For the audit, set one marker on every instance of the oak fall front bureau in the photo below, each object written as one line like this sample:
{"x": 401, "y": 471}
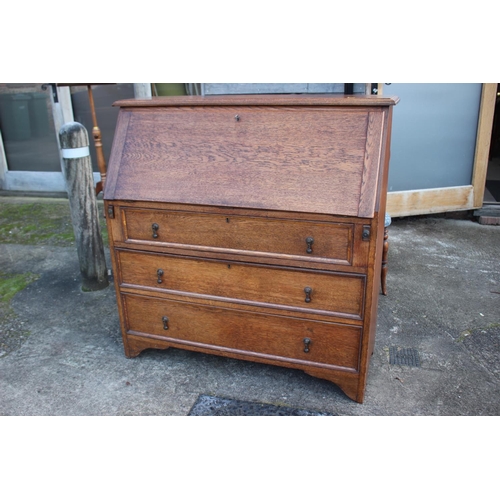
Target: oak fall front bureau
{"x": 252, "y": 227}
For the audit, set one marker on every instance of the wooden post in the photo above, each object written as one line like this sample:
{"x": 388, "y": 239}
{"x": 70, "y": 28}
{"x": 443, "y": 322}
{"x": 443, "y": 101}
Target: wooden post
{"x": 77, "y": 171}
{"x": 142, "y": 90}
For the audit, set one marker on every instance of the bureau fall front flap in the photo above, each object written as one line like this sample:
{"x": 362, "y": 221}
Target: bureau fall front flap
{"x": 321, "y": 156}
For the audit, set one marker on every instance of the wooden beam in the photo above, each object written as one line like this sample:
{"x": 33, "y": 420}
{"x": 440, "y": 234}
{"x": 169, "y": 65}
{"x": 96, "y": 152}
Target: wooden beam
{"x": 428, "y": 201}
{"x": 484, "y": 128}
{"x": 438, "y": 200}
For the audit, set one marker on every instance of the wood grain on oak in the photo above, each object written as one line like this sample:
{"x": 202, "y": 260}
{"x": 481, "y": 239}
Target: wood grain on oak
{"x": 331, "y": 241}
{"x": 336, "y": 293}
{"x": 252, "y": 227}
{"x": 278, "y": 158}
{"x": 269, "y": 335}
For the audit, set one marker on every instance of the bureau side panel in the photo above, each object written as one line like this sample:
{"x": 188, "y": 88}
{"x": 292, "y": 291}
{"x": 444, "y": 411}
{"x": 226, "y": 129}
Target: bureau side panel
{"x": 375, "y": 259}
{"x": 115, "y": 234}
{"x": 113, "y": 168}
{"x": 370, "y": 185}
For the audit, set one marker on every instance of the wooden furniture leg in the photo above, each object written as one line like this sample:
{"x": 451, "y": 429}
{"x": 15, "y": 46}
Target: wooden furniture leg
{"x": 384, "y": 261}
{"x": 385, "y": 251}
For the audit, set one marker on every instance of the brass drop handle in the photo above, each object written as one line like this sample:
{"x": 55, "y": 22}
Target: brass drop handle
{"x": 308, "y": 290}
{"x": 165, "y": 322}
{"x": 159, "y": 273}
{"x": 155, "y": 228}
{"x": 307, "y": 343}
{"x": 309, "y": 242}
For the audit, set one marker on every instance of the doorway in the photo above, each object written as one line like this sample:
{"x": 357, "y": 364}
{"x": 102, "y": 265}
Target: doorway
{"x": 492, "y": 188}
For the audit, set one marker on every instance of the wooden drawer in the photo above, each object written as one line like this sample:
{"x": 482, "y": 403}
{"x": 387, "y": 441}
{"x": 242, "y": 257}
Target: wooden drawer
{"x": 233, "y": 331}
{"x": 338, "y": 293}
{"x": 311, "y": 240}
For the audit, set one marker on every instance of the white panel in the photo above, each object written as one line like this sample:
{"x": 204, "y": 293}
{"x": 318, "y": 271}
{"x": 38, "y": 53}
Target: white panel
{"x": 38, "y": 181}
{"x": 75, "y": 152}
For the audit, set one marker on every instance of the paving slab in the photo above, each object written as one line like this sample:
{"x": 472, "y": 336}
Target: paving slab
{"x": 442, "y": 308}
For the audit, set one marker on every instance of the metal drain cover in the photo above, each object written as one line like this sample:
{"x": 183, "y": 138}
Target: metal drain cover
{"x": 403, "y": 356}
{"x": 218, "y": 407}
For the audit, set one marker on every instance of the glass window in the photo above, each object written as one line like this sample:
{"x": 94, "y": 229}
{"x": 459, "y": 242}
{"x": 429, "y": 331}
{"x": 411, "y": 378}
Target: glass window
{"x": 27, "y": 127}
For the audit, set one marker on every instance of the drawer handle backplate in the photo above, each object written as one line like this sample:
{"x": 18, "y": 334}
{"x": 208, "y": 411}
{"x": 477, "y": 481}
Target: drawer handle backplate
{"x": 309, "y": 242}
{"x": 308, "y": 290}
{"x": 155, "y": 228}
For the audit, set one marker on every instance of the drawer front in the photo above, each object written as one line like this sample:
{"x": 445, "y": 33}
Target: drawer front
{"x": 259, "y": 235}
{"x": 319, "y": 291}
{"x": 236, "y": 331}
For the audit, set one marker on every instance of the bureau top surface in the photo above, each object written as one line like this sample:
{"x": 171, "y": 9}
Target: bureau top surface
{"x": 315, "y": 153}
{"x": 261, "y": 100}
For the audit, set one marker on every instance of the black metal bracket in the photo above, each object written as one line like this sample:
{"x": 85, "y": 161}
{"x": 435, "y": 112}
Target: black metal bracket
{"x": 54, "y": 90}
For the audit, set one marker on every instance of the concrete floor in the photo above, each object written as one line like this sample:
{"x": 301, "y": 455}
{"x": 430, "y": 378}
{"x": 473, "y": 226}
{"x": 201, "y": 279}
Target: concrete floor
{"x": 443, "y": 301}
